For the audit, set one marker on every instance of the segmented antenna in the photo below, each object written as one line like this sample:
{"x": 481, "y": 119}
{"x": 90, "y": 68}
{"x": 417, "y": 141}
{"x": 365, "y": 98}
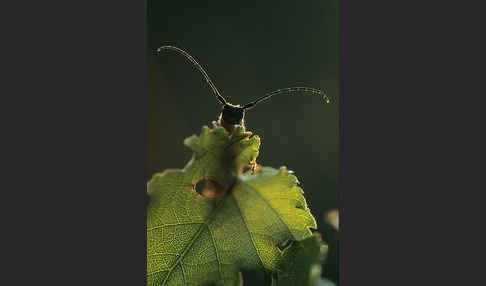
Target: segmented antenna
{"x": 287, "y": 90}
{"x": 198, "y": 66}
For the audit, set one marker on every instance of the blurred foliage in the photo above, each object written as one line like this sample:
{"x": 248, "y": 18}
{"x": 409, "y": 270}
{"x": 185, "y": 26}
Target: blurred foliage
{"x": 332, "y": 218}
{"x": 250, "y": 48}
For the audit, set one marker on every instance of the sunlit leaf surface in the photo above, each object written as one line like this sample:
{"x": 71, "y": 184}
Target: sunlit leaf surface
{"x": 202, "y": 240}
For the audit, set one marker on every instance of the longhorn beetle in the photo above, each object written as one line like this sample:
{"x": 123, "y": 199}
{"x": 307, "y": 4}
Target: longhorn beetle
{"x": 235, "y": 114}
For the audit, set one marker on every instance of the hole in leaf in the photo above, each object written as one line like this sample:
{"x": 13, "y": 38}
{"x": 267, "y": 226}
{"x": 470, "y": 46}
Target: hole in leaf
{"x": 200, "y": 186}
{"x": 209, "y": 188}
{"x": 246, "y": 170}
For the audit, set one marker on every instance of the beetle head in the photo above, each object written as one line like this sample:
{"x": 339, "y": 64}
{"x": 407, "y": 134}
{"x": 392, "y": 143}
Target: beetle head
{"x": 233, "y": 114}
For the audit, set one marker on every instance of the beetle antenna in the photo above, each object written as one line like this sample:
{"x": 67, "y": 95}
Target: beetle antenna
{"x": 287, "y": 90}
{"x": 198, "y": 66}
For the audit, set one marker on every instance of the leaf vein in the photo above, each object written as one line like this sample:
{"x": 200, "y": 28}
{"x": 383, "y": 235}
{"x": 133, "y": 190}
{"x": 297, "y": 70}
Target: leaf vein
{"x": 193, "y": 239}
{"x": 175, "y": 224}
{"x": 216, "y": 250}
{"x": 248, "y": 229}
{"x": 271, "y": 207}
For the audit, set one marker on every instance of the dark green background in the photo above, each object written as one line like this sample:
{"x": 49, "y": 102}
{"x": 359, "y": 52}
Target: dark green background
{"x": 248, "y": 49}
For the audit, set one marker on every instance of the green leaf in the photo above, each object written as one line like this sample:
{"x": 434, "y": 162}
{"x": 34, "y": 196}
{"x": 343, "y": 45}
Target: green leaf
{"x": 301, "y": 263}
{"x": 199, "y": 240}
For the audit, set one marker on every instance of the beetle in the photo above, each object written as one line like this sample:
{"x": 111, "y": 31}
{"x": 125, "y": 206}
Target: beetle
{"x": 231, "y": 114}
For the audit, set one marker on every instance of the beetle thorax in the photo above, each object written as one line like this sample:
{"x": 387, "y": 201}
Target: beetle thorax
{"x": 232, "y": 114}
